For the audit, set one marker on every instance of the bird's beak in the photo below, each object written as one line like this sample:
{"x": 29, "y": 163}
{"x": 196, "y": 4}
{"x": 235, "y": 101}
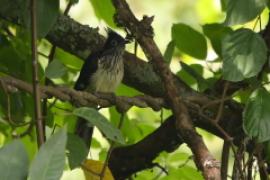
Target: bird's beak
{"x": 127, "y": 41}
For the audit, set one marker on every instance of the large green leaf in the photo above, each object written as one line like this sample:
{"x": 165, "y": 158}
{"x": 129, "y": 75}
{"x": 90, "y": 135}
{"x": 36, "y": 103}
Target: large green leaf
{"x": 189, "y": 41}
{"x": 256, "y": 115}
{"x": 98, "y": 120}
{"x": 47, "y": 13}
{"x": 244, "y": 53}
{"x": 50, "y": 160}
{"x": 216, "y": 33}
{"x": 77, "y": 151}
{"x": 242, "y": 11}
{"x": 104, "y": 10}
{"x": 13, "y": 161}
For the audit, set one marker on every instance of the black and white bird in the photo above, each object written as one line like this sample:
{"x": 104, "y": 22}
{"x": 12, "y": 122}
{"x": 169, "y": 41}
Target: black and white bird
{"x": 102, "y": 71}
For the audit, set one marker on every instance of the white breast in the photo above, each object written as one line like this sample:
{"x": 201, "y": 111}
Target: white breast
{"x": 104, "y": 80}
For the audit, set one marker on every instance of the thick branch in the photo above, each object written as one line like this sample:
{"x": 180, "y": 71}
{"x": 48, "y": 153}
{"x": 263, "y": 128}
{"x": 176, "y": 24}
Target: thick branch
{"x": 142, "y": 32}
{"x": 166, "y": 138}
{"x": 128, "y": 160}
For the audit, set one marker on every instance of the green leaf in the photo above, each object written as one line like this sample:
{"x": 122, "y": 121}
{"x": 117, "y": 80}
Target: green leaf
{"x": 70, "y": 61}
{"x": 16, "y": 10}
{"x": 244, "y": 53}
{"x": 202, "y": 83}
{"x": 216, "y": 32}
{"x": 47, "y": 13}
{"x": 11, "y": 63}
{"x": 14, "y": 161}
{"x": 97, "y": 119}
{"x": 183, "y": 173}
{"x": 224, "y": 4}
{"x": 19, "y": 10}
{"x": 104, "y": 10}
{"x": 256, "y": 115}
{"x": 187, "y": 78}
{"x": 189, "y": 41}
{"x": 50, "y": 160}
{"x": 77, "y": 151}
{"x": 242, "y": 11}
{"x": 55, "y": 69}
{"x": 169, "y": 52}
{"x": 129, "y": 128}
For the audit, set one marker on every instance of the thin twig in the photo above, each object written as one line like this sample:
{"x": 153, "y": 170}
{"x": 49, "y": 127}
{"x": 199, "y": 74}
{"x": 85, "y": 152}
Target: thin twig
{"x": 9, "y": 33}
{"x": 26, "y": 132}
{"x": 214, "y": 102}
{"x": 38, "y": 114}
{"x": 256, "y": 22}
{"x": 42, "y": 54}
{"x": 185, "y": 163}
{"x": 163, "y": 169}
{"x": 161, "y": 116}
{"x": 249, "y": 166}
{"x": 70, "y": 3}
{"x": 220, "y": 108}
{"x": 227, "y": 138}
{"x": 135, "y": 48}
{"x": 102, "y": 173}
{"x": 8, "y": 105}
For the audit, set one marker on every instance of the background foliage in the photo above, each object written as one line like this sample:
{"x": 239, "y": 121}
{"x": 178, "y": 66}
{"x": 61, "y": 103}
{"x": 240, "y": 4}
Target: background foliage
{"x": 202, "y": 41}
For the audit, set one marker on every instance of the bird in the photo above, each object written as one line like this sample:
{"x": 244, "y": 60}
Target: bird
{"x": 102, "y": 72}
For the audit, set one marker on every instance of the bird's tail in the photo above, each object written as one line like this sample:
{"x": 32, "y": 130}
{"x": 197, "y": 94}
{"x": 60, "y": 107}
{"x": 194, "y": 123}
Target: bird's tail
{"x": 85, "y": 131}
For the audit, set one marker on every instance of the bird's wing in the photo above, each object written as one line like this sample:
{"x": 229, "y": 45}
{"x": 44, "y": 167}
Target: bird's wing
{"x": 89, "y": 67}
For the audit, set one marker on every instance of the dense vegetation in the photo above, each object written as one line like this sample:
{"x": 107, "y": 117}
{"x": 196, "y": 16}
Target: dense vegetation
{"x": 194, "y": 72}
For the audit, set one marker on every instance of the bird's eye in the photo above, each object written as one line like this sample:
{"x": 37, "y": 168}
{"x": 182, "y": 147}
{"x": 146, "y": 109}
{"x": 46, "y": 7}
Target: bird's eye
{"x": 113, "y": 42}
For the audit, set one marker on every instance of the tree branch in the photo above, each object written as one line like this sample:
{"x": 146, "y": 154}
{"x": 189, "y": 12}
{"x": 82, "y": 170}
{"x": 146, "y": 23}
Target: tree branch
{"x": 38, "y": 115}
{"x": 80, "y": 40}
{"x": 122, "y": 103}
{"x": 143, "y": 32}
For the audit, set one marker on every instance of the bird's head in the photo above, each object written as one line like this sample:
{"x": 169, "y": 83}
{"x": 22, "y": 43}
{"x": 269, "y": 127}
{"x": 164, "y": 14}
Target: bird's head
{"x": 114, "y": 40}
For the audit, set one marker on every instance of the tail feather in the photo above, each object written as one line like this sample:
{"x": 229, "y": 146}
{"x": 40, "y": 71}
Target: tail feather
{"x": 84, "y": 131}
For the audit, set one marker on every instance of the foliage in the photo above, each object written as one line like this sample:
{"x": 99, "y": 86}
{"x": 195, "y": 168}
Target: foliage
{"x": 200, "y": 52}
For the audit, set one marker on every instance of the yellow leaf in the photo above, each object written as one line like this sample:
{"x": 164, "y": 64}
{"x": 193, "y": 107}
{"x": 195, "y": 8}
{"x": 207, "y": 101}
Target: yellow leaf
{"x": 92, "y": 170}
